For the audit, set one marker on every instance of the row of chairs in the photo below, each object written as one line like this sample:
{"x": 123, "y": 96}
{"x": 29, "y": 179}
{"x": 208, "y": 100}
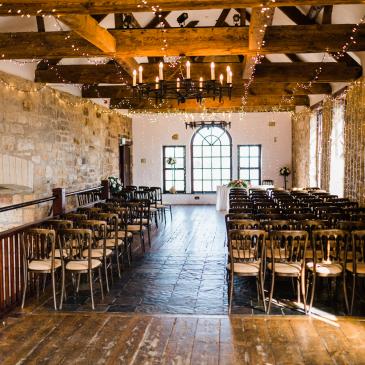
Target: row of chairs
{"x": 300, "y": 249}
{"x": 90, "y": 241}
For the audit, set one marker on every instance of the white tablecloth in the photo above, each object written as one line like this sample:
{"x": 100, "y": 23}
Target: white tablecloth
{"x": 222, "y": 197}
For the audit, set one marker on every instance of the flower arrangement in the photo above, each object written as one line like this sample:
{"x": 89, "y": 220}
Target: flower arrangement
{"x": 237, "y": 184}
{"x": 284, "y": 171}
{"x": 115, "y": 185}
{"x": 171, "y": 161}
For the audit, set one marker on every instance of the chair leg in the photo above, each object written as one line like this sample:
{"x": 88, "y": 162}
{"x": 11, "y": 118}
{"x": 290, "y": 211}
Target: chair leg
{"x": 106, "y": 274}
{"x": 353, "y": 293}
{"x": 262, "y": 291}
{"x": 54, "y": 290}
{"x": 63, "y": 292}
{"x": 271, "y": 292}
{"x": 156, "y": 220}
{"x": 312, "y": 292}
{"x": 78, "y": 283}
{"x": 171, "y": 212}
{"x": 298, "y": 290}
{"x": 118, "y": 261}
{"x": 25, "y": 286}
{"x": 304, "y": 295}
{"x": 101, "y": 284}
{"x": 231, "y": 277}
{"x": 149, "y": 235}
{"x": 345, "y": 292}
{"x": 91, "y": 288}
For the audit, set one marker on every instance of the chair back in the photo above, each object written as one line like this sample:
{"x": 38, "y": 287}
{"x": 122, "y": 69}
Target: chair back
{"x": 89, "y": 211}
{"x": 246, "y": 244}
{"x": 277, "y": 224}
{"x": 332, "y": 243}
{"x": 351, "y": 225}
{"x": 58, "y": 224}
{"x": 74, "y": 241}
{"x": 358, "y": 248}
{"x": 98, "y": 229}
{"x": 242, "y": 224}
{"x": 39, "y": 244}
{"x": 288, "y": 246}
{"x": 75, "y": 217}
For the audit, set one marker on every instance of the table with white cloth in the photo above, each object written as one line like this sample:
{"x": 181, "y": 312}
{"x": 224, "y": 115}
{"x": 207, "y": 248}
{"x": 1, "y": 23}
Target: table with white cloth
{"x": 222, "y": 202}
{"x": 222, "y": 197}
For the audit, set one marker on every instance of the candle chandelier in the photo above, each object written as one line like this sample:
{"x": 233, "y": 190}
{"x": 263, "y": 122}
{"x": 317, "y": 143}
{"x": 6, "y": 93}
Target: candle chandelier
{"x": 182, "y": 89}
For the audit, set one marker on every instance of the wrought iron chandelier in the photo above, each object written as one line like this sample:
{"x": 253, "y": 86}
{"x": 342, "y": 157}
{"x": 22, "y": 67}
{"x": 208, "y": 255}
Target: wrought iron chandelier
{"x": 221, "y": 123}
{"x": 182, "y": 89}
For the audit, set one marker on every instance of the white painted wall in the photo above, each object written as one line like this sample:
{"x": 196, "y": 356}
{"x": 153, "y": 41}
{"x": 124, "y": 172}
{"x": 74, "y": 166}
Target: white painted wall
{"x": 152, "y": 131}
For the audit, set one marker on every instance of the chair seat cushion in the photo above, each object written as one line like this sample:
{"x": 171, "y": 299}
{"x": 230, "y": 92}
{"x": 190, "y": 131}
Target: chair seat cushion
{"x": 161, "y": 206}
{"x": 134, "y": 227}
{"x": 110, "y": 242}
{"x": 325, "y": 269}
{"x": 57, "y": 253}
{"x": 153, "y": 210}
{"x": 43, "y": 265}
{"x": 360, "y": 267}
{"x": 245, "y": 268}
{"x": 293, "y": 268}
{"x": 144, "y": 221}
{"x": 97, "y": 253}
{"x": 82, "y": 265}
{"x": 121, "y": 234}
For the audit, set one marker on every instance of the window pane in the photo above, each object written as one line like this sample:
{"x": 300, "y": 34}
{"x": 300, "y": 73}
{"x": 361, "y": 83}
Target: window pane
{"x": 197, "y": 151}
{"x": 207, "y": 185}
{"x": 216, "y": 162}
{"x": 254, "y": 174}
{"x": 179, "y": 175}
{"x": 216, "y": 183}
{"x": 207, "y": 174}
{"x": 226, "y": 174}
{"x": 179, "y": 163}
{"x": 168, "y": 175}
{"x": 255, "y": 182}
{"x": 216, "y": 174}
{"x": 207, "y": 163}
{"x": 226, "y": 151}
{"x": 179, "y": 152}
{"x": 198, "y": 185}
{"x": 197, "y": 174}
{"x": 244, "y": 151}
{"x": 197, "y": 163}
{"x": 244, "y": 174}
{"x": 169, "y": 151}
{"x": 216, "y": 151}
{"x": 226, "y": 162}
{"x": 254, "y": 162}
{"x": 180, "y": 185}
{"x": 244, "y": 162}
{"x": 207, "y": 151}
{"x": 255, "y": 151}
{"x": 169, "y": 184}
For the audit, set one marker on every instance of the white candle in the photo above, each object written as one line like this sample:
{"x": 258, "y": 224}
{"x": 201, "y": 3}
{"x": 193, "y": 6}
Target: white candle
{"x": 212, "y": 71}
{"x": 188, "y": 70}
{"x": 201, "y": 83}
{"x": 230, "y": 77}
{"x": 228, "y": 72}
{"x": 140, "y": 70}
{"x": 157, "y": 83}
{"x": 221, "y": 79}
{"x": 160, "y": 70}
{"x": 134, "y": 77}
{"x": 178, "y": 84}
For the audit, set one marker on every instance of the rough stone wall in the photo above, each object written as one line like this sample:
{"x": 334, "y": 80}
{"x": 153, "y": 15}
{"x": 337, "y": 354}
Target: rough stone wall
{"x": 355, "y": 142}
{"x": 70, "y": 142}
{"x": 300, "y": 148}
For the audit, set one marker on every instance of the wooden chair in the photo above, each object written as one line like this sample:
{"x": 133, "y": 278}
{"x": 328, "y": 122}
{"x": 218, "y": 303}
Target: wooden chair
{"x": 39, "y": 246}
{"x": 246, "y": 252}
{"x": 134, "y": 220}
{"x": 78, "y": 245}
{"x": 332, "y": 242}
{"x": 288, "y": 250}
{"x": 355, "y": 267}
{"x": 159, "y": 204}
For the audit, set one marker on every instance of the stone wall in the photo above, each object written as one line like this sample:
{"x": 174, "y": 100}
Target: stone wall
{"x": 300, "y": 148}
{"x": 64, "y": 140}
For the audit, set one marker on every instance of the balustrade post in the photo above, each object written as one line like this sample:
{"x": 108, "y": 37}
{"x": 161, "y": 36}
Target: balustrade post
{"x": 105, "y": 191}
{"x": 59, "y": 204}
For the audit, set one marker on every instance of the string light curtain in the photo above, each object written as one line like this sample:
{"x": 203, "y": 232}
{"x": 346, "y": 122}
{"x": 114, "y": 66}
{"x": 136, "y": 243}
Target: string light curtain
{"x": 355, "y": 142}
{"x": 313, "y": 182}
{"x": 337, "y": 164}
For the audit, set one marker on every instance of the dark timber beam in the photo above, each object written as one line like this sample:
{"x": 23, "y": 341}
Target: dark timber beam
{"x": 268, "y": 72}
{"x": 11, "y": 7}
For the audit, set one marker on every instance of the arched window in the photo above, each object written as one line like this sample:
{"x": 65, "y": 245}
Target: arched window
{"x": 211, "y": 159}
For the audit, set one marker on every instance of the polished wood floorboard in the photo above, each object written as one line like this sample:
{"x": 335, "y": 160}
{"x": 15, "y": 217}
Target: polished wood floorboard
{"x": 98, "y": 338}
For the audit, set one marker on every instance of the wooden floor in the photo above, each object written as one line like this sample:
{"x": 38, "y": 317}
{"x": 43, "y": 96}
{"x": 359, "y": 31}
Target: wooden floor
{"x": 169, "y": 309}
{"x": 134, "y": 339}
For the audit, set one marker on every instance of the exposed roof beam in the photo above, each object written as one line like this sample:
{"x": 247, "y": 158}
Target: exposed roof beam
{"x": 127, "y": 6}
{"x": 252, "y": 101}
{"x": 88, "y": 28}
{"x": 277, "y": 89}
{"x": 268, "y": 72}
{"x": 327, "y": 14}
{"x": 258, "y": 24}
{"x": 208, "y": 41}
{"x": 298, "y": 17}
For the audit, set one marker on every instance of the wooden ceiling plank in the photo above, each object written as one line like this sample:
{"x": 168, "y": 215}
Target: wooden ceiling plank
{"x": 88, "y": 28}
{"x": 10, "y": 7}
{"x": 270, "y": 72}
{"x": 208, "y": 41}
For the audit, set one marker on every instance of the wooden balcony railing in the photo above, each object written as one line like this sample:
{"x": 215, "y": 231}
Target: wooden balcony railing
{"x": 11, "y": 253}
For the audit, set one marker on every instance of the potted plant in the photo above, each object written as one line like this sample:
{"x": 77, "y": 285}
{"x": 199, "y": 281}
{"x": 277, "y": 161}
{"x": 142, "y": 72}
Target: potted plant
{"x": 285, "y": 172}
{"x": 115, "y": 185}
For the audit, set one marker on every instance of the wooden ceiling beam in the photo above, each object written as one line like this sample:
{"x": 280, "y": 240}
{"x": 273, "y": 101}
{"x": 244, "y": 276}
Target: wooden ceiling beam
{"x": 87, "y": 27}
{"x": 208, "y": 41}
{"x": 252, "y": 101}
{"x": 258, "y": 24}
{"x": 268, "y": 72}
{"x": 256, "y": 89}
{"x": 37, "y": 7}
